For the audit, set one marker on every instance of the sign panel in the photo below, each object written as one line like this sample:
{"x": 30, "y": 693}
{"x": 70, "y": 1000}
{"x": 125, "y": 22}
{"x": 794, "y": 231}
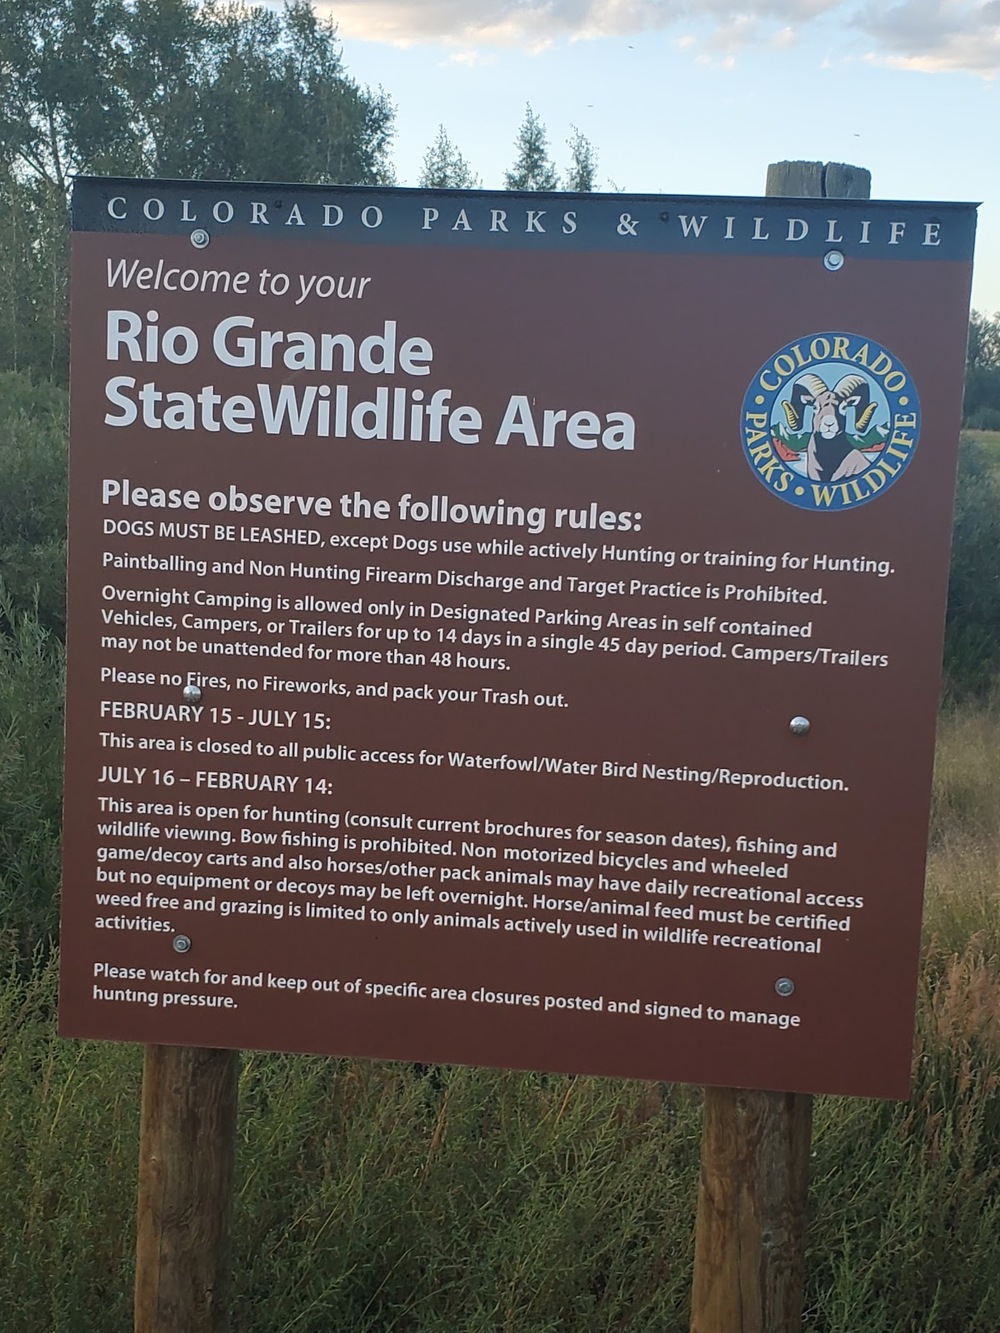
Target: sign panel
{"x": 505, "y": 629}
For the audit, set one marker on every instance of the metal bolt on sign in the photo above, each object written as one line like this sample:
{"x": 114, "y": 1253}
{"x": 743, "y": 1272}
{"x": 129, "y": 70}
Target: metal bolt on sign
{"x": 191, "y": 694}
{"x": 200, "y": 238}
{"x": 833, "y": 260}
{"x": 799, "y": 726}
{"x": 785, "y": 986}
{"x": 182, "y": 943}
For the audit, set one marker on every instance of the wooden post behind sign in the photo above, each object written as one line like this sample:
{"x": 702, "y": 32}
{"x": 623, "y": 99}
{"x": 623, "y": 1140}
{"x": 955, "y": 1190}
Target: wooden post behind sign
{"x": 186, "y": 1158}
{"x": 750, "y": 1243}
{"x": 749, "y": 1260}
{"x": 818, "y": 180}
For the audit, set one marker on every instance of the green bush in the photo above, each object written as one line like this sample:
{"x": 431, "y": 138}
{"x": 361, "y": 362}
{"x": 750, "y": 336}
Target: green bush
{"x": 31, "y": 736}
{"x": 983, "y": 418}
{"x": 34, "y": 259}
{"x": 982, "y": 373}
{"x": 33, "y": 432}
{"x": 972, "y": 630}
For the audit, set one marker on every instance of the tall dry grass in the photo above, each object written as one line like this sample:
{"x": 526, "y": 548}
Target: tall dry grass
{"x": 375, "y": 1198}
{"x": 963, "y": 868}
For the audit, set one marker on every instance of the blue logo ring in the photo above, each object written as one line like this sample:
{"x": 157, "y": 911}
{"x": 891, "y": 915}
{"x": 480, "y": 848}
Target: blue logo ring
{"x": 830, "y": 422}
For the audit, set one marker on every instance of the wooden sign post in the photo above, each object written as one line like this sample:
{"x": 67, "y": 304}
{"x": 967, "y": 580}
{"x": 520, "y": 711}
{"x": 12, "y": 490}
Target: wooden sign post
{"x": 186, "y": 1158}
{"x": 749, "y": 1266}
{"x": 750, "y": 1243}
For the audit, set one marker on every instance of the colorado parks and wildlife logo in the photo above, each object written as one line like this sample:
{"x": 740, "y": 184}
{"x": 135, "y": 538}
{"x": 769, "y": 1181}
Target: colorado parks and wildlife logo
{"x": 830, "y": 421}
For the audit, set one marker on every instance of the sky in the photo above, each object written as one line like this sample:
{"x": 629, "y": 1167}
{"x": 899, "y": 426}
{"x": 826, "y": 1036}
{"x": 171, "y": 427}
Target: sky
{"x": 698, "y": 96}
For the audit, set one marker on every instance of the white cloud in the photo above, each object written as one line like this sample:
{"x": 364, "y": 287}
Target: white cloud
{"x": 728, "y": 37}
{"x": 929, "y": 35}
{"x": 537, "y": 22}
{"x": 471, "y": 59}
{"x": 935, "y": 35}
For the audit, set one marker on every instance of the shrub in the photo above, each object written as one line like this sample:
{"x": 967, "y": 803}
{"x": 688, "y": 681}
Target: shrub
{"x": 33, "y": 433}
{"x": 972, "y": 630}
{"x": 31, "y": 736}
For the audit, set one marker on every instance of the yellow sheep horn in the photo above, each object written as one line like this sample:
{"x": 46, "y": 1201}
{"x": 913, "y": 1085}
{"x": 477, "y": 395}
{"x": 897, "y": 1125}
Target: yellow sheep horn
{"x": 861, "y": 422}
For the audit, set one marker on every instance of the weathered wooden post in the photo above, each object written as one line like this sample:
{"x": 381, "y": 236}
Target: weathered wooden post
{"x": 818, "y": 180}
{"x": 749, "y": 1265}
{"x": 749, "y": 1250}
{"x": 186, "y": 1159}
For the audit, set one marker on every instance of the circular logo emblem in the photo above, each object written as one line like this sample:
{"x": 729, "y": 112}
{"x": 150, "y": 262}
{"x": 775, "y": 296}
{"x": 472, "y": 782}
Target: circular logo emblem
{"x": 830, "y": 421}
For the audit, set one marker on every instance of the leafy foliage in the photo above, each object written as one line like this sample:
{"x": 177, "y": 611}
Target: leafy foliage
{"x": 168, "y": 88}
{"x": 34, "y": 274}
{"x": 176, "y": 88}
{"x": 445, "y": 168}
{"x": 982, "y": 380}
{"x": 533, "y": 169}
{"x": 31, "y": 736}
{"x": 33, "y": 516}
{"x": 582, "y": 174}
{"x": 972, "y": 631}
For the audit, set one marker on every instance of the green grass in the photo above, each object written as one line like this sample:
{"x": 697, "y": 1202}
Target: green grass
{"x": 373, "y": 1197}
{"x": 31, "y": 734}
{"x": 990, "y": 441}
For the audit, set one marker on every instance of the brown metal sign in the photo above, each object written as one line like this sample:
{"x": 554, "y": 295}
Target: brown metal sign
{"x": 505, "y": 629}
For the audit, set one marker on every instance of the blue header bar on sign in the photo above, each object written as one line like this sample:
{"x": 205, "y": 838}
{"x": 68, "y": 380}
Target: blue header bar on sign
{"x": 477, "y": 219}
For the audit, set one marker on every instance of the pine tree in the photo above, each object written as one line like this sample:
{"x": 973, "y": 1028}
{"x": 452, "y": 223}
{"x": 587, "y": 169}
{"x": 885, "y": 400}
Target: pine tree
{"x": 445, "y": 168}
{"x": 582, "y": 173}
{"x": 533, "y": 169}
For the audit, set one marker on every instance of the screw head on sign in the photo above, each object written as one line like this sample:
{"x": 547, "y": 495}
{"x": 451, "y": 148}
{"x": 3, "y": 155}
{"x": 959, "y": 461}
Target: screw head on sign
{"x": 182, "y": 944}
{"x": 200, "y": 238}
{"x": 191, "y": 694}
{"x": 784, "y": 986}
{"x": 833, "y": 260}
{"x": 799, "y": 726}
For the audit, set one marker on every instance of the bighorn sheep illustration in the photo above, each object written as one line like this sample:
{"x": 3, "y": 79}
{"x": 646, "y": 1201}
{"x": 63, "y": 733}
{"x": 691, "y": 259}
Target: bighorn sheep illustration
{"x": 830, "y": 454}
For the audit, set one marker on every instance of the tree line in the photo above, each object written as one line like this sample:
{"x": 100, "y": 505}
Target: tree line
{"x": 187, "y": 90}
{"x": 982, "y": 376}
{"x": 220, "y": 90}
